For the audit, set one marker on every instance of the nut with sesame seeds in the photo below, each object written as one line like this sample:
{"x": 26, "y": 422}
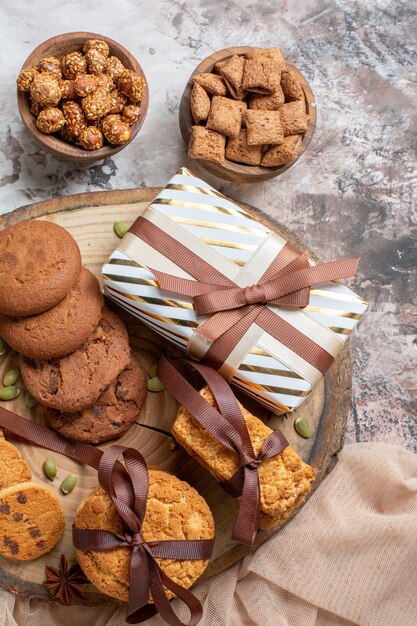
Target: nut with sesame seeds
{"x": 97, "y": 44}
{"x": 73, "y": 64}
{"x": 95, "y": 61}
{"x": 75, "y": 118}
{"x": 105, "y": 82}
{"x": 50, "y": 120}
{"x": 67, "y": 89}
{"x": 118, "y": 102}
{"x": 114, "y": 67}
{"x": 85, "y": 84}
{"x": 51, "y": 65}
{"x": 91, "y": 138}
{"x": 96, "y": 104}
{"x": 131, "y": 85}
{"x": 115, "y": 130}
{"x": 45, "y": 90}
{"x": 26, "y": 77}
{"x": 131, "y": 113}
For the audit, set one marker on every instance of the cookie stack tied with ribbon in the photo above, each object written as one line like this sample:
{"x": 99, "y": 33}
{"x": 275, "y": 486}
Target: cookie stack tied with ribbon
{"x": 143, "y": 536}
{"x": 75, "y": 357}
{"x": 248, "y": 459}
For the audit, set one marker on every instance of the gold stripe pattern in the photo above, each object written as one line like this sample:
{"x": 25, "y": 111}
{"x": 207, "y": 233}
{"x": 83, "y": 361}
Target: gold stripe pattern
{"x": 218, "y": 226}
{"x": 201, "y": 207}
{"x": 325, "y": 311}
{"x": 272, "y": 389}
{"x": 244, "y": 367}
{"x": 345, "y": 297}
{"x": 130, "y": 280}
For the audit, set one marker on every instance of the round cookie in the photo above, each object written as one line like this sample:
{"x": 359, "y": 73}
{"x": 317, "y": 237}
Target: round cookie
{"x": 74, "y": 382}
{"x": 114, "y": 412}
{"x": 175, "y": 510}
{"x": 39, "y": 263}
{"x": 32, "y": 521}
{"x": 13, "y": 467}
{"x": 60, "y": 330}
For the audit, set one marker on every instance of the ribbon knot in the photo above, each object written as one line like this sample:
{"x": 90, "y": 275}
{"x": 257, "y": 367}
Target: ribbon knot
{"x": 255, "y": 294}
{"x": 134, "y": 540}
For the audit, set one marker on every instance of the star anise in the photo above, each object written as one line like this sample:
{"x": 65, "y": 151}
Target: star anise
{"x": 64, "y": 583}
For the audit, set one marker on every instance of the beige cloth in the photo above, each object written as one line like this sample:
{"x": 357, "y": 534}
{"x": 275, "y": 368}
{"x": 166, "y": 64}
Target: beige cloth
{"x": 348, "y": 557}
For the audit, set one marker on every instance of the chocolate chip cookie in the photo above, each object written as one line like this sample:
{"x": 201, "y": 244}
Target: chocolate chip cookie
{"x": 62, "y": 329}
{"x": 39, "y": 264}
{"x": 32, "y": 521}
{"x": 75, "y": 382}
{"x": 112, "y": 415}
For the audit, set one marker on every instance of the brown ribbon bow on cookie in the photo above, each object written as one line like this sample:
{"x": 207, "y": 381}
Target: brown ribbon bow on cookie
{"x": 128, "y": 488}
{"x": 234, "y": 309}
{"x": 228, "y": 426}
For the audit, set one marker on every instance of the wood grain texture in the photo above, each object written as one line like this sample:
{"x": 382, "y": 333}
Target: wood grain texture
{"x": 59, "y": 46}
{"x": 90, "y": 217}
{"x": 229, "y": 170}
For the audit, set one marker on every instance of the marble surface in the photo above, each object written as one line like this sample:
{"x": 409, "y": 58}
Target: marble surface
{"x": 352, "y": 193}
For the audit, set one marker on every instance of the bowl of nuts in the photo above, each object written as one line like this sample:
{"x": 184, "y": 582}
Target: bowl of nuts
{"x": 82, "y": 96}
{"x": 247, "y": 114}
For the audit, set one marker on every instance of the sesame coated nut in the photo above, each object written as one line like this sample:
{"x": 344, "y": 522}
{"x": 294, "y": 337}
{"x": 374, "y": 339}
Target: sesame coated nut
{"x": 45, "y": 90}
{"x": 85, "y": 84}
{"x": 131, "y": 113}
{"x": 114, "y": 68}
{"x": 115, "y": 130}
{"x": 105, "y": 82}
{"x": 96, "y": 104}
{"x": 118, "y": 102}
{"x": 97, "y": 44}
{"x": 75, "y": 118}
{"x": 34, "y": 107}
{"x": 26, "y": 78}
{"x": 131, "y": 85}
{"x": 73, "y": 64}
{"x": 50, "y": 65}
{"x": 50, "y": 120}
{"x": 67, "y": 88}
{"x": 91, "y": 138}
{"x": 95, "y": 61}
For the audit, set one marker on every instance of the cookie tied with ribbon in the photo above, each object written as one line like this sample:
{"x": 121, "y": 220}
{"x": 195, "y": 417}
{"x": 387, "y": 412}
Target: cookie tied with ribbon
{"x": 248, "y": 459}
{"x": 124, "y": 490}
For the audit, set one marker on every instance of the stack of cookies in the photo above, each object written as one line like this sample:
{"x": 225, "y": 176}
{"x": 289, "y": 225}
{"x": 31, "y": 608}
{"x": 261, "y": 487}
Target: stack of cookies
{"x": 284, "y": 480}
{"x": 250, "y": 110}
{"x": 75, "y": 357}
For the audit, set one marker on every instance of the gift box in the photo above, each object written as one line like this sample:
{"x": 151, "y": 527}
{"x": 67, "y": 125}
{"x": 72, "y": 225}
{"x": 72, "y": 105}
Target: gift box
{"x": 209, "y": 276}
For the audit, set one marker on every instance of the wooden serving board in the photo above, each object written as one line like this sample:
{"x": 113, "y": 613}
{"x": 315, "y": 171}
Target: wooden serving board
{"x": 90, "y": 217}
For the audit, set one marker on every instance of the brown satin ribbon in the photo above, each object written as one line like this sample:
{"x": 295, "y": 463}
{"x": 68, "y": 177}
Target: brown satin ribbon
{"x": 228, "y": 426}
{"x": 128, "y": 488}
{"x": 234, "y": 309}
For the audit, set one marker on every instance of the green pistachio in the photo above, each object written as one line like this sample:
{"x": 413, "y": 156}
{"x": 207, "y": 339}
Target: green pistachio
{"x": 120, "y": 228}
{"x": 11, "y": 377}
{"x": 68, "y": 484}
{"x": 30, "y": 401}
{"x": 152, "y": 370}
{"x": 154, "y": 384}
{"x": 303, "y": 428}
{"x": 49, "y": 469}
{"x": 9, "y": 393}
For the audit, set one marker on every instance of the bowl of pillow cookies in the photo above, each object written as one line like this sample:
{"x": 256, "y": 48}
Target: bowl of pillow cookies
{"x": 247, "y": 114}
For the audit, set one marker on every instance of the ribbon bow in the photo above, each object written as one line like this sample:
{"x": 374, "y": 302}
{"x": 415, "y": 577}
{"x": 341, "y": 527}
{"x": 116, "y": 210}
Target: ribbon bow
{"x": 228, "y": 426}
{"x": 234, "y": 309}
{"x": 128, "y": 489}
